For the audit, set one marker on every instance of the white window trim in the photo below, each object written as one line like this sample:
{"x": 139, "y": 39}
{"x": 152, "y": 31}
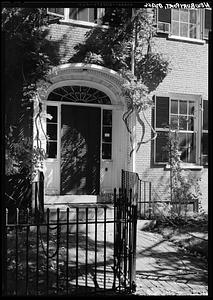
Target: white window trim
{"x": 171, "y": 36}
{"x": 198, "y": 102}
{"x": 181, "y": 38}
{"x": 66, "y": 20}
{"x": 185, "y": 166}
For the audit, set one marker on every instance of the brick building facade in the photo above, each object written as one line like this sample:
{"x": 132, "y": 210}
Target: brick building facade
{"x": 185, "y": 85}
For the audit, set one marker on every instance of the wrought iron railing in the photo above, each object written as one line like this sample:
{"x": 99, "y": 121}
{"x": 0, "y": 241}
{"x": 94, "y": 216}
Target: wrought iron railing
{"x": 81, "y": 250}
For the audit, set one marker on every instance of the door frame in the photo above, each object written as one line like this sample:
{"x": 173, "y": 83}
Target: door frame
{"x": 57, "y": 160}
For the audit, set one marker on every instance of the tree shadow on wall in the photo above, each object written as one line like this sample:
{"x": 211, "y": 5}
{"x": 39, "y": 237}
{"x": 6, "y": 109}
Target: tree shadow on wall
{"x": 79, "y": 165}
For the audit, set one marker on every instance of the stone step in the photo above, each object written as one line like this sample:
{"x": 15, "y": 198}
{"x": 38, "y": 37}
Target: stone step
{"x": 65, "y": 199}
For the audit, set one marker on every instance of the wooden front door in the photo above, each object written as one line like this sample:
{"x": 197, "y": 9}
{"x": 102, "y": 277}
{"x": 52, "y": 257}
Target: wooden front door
{"x": 80, "y": 150}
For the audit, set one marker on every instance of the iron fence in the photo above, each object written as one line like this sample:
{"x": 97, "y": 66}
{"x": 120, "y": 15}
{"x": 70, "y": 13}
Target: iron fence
{"x": 147, "y": 206}
{"x": 72, "y": 251}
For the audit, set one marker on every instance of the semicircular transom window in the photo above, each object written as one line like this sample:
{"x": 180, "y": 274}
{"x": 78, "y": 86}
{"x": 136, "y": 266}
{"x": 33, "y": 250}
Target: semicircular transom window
{"x": 82, "y": 94}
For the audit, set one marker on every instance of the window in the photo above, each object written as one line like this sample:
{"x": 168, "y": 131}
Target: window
{"x": 52, "y": 130}
{"x": 180, "y": 113}
{"x": 107, "y": 134}
{"x": 182, "y": 118}
{"x": 84, "y": 14}
{"x": 185, "y": 23}
{"x": 81, "y": 94}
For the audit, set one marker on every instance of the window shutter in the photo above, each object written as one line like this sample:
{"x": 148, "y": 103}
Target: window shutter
{"x": 162, "y": 112}
{"x": 164, "y": 20}
{"x": 164, "y": 15}
{"x": 161, "y": 152}
{"x": 161, "y": 122}
{"x": 204, "y": 139}
{"x": 207, "y": 22}
{"x": 205, "y": 114}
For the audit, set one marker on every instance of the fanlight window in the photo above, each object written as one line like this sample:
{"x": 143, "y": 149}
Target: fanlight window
{"x": 81, "y": 94}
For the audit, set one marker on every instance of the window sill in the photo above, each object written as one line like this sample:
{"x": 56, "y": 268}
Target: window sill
{"x": 185, "y": 39}
{"x": 186, "y": 166}
{"x": 82, "y": 23}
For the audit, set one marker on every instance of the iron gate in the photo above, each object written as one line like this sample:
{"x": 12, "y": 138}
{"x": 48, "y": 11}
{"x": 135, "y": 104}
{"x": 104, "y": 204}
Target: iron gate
{"x": 82, "y": 249}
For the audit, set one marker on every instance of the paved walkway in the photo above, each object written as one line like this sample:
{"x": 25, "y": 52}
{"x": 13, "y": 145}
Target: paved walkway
{"x": 163, "y": 269}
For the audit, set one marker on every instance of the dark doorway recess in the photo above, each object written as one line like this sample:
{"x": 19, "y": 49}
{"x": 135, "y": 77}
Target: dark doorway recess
{"x": 80, "y": 150}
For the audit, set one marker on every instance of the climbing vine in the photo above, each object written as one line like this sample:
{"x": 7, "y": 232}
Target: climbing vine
{"x": 126, "y": 47}
{"x": 184, "y": 188}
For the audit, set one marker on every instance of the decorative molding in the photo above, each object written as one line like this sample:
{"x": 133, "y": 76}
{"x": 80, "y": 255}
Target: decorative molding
{"x": 108, "y": 81}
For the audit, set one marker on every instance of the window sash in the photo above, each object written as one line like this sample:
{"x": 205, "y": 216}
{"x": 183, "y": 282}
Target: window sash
{"x": 193, "y": 149}
{"x": 200, "y": 29}
{"x": 87, "y": 14}
{"x": 184, "y": 27}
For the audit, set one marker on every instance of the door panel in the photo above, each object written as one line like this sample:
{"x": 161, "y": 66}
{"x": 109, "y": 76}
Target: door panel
{"x": 80, "y": 150}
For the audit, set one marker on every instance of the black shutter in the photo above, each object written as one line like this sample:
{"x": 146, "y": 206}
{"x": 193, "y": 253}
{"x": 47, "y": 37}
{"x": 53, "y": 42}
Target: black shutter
{"x": 161, "y": 154}
{"x": 164, "y": 15}
{"x": 204, "y": 139}
{"x": 207, "y": 22}
{"x": 162, "y": 121}
{"x": 205, "y": 114}
{"x": 162, "y": 112}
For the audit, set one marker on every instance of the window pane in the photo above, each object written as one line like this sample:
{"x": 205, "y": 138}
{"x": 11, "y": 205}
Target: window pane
{"x": 183, "y": 29}
{"x": 52, "y": 131}
{"x": 205, "y": 143}
{"x": 183, "y": 123}
{"x": 52, "y": 149}
{"x": 191, "y": 108}
{"x": 92, "y": 15}
{"x": 175, "y": 14}
{"x": 183, "y": 107}
{"x": 182, "y": 140}
{"x": 73, "y": 13}
{"x": 107, "y": 117}
{"x": 191, "y": 123}
{"x": 107, "y": 134}
{"x": 174, "y": 106}
{"x": 192, "y": 147}
{"x": 192, "y": 16}
{"x": 184, "y": 15}
{"x": 106, "y": 151}
{"x": 174, "y": 122}
{"x": 192, "y": 31}
{"x": 175, "y": 28}
{"x": 187, "y": 147}
{"x": 52, "y": 110}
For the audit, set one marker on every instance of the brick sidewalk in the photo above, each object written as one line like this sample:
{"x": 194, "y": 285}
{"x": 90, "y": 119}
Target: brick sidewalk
{"x": 163, "y": 269}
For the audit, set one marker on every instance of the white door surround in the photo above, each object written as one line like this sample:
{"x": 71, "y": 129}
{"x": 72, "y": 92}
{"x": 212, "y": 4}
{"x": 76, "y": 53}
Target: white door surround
{"x": 109, "y": 82}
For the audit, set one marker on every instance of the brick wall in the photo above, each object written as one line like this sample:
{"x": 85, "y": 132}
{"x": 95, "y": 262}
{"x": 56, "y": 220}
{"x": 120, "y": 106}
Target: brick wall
{"x": 189, "y": 74}
{"x": 68, "y": 36}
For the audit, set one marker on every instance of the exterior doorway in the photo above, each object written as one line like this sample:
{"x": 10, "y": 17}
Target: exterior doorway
{"x": 80, "y": 150}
